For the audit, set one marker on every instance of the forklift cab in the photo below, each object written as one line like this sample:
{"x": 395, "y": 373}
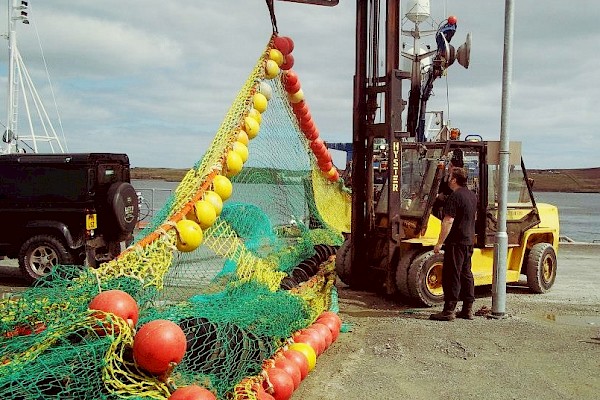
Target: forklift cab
{"x": 424, "y": 165}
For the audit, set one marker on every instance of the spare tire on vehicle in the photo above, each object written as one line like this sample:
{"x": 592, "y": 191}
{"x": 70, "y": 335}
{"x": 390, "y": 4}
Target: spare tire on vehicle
{"x": 123, "y": 201}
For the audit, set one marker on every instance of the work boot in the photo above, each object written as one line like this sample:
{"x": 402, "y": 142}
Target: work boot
{"x": 466, "y": 312}
{"x": 447, "y": 314}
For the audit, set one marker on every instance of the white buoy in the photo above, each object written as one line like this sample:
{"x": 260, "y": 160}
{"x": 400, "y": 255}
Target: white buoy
{"x": 418, "y": 10}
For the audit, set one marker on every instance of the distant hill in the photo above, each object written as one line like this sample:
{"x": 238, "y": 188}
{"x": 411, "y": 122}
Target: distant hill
{"x": 586, "y": 180}
{"x": 161, "y": 174}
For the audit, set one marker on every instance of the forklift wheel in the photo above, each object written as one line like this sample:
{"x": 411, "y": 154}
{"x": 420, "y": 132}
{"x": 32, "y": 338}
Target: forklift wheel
{"x": 541, "y": 267}
{"x": 402, "y": 272}
{"x": 425, "y": 279}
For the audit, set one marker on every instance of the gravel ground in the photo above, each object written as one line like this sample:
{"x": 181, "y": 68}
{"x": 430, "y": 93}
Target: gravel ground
{"x": 548, "y": 346}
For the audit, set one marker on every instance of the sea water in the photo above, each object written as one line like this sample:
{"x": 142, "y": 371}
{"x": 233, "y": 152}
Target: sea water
{"x": 579, "y": 213}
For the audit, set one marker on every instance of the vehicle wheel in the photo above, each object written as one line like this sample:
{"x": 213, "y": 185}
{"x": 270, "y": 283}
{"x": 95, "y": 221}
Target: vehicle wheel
{"x": 40, "y": 254}
{"x": 342, "y": 262}
{"x": 541, "y": 267}
{"x": 425, "y": 279}
{"x": 123, "y": 200}
{"x": 402, "y": 272}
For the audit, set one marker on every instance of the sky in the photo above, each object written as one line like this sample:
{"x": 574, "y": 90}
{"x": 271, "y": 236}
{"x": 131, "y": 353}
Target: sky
{"x": 154, "y": 79}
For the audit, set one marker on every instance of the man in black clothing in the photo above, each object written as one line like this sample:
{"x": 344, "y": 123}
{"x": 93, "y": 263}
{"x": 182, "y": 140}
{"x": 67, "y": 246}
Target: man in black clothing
{"x": 457, "y": 235}
{"x": 444, "y": 190}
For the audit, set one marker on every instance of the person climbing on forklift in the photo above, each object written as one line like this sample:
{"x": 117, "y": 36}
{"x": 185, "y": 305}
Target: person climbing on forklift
{"x": 457, "y": 236}
{"x": 444, "y": 190}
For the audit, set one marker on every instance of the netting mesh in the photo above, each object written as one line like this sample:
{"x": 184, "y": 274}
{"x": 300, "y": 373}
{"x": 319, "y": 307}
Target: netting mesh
{"x": 263, "y": 271}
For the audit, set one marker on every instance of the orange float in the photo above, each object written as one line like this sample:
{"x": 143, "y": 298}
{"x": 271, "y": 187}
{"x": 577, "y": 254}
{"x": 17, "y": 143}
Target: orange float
{"x": 279, "y": 383}
{"x": 311, "y": 337}
{"x": 299, "y": 359}
{"x": 116, "y": 302}
{"x": 262, "y": 395}
{"x": 288, "y": 62}
{"x": 158, "y": 346}
{"x": 325, "y": 333}
{"x": 312, "y": 134}
{"x": 290, "y": 78}
{"x": 192, "y": 392}
{"x": 290, "y": 367}
{"x": 284, "y": 44}
{"x": 332, "y": 321}
{"x": 324, "y": 165}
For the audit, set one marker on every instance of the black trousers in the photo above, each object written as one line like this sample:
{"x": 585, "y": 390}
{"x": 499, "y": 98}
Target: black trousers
{"x": 457, "y": 278}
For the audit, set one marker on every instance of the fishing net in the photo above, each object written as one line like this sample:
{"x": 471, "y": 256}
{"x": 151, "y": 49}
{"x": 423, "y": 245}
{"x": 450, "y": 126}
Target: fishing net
{"x": 263, "y": 271}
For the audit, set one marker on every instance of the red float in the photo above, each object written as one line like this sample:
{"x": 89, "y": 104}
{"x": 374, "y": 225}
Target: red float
{"x": 282, "y": 44}
{"x": 293, "y": 88}
{"x": 290, "y": 77}
{"x": 262, "y": 395}
{"x": 325, "y": 333}
{"x": 290, "y": 43}
{"x": 333, "y": 326}
{"x": 324, "y": 166}
{"x": 331, "y": 315}
{"x": 288, "y": 62}
{"x": 291, "y": 368}
{"x": 312, "y": 134}
{"x": 116, "y": 302}
{"x": 157, "y": 345}
{"x": 299, "y": 359}
{"x": 325, "y": 156}
{"x": 311, "y": 337}
{"x": 299, "y": 107}
{"x": 281, "y": 382}
{"x": 302, "y": 114}
{"x": 318, "y": 146}
{"x": 192, "y": 392}
{"x": 307, "y": 124}
{"x": 320, "y": 151}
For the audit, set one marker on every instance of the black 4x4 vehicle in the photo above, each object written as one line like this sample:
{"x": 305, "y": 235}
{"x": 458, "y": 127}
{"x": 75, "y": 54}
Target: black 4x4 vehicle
{"x": 61, "y": 209}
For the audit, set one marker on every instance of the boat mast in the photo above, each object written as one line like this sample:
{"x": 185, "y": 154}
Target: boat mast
{"x": 12, "y": 100}
{"x": 19, "y": 79}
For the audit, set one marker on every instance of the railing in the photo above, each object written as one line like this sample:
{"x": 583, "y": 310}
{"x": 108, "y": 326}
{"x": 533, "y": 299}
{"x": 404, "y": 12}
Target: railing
{"x": 151, "y": 200}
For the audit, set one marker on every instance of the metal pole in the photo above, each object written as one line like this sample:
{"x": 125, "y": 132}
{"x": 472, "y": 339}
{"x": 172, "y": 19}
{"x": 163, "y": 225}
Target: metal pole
{"x": 501, "y": 247}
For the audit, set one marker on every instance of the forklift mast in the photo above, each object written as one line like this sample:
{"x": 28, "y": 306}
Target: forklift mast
{"x": 378, "y": 106}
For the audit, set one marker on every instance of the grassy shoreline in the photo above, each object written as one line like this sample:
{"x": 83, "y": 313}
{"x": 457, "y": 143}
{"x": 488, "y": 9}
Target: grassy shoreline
{"x": 585, "y": 180}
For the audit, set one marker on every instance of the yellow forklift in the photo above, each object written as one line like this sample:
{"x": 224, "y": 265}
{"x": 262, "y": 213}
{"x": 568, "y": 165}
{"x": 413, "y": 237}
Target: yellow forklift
{"x": 393, "y": 229}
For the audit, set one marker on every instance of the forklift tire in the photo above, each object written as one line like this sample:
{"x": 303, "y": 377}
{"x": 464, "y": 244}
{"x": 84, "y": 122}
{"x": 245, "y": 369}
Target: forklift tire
{"x": 541, "y": 267}
{"x": 402, "y": 272}
{"x": 425, "y": 279}
{"x": 342, "y": 262}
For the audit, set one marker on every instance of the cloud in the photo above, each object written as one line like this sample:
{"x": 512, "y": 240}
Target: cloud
{"x": 135, "y": 76}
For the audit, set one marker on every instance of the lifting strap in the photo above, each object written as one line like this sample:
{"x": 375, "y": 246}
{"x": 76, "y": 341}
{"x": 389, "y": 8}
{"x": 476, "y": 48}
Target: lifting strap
{"x": 273, "y": 18}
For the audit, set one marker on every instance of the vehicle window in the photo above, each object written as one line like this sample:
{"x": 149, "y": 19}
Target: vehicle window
{"x": 517, "y": 195}
{"x": 43, "y": 183}
{"x": 471, "y": 165}
{"x": 109, "y": 173}
{"x": 418, "y": 173}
